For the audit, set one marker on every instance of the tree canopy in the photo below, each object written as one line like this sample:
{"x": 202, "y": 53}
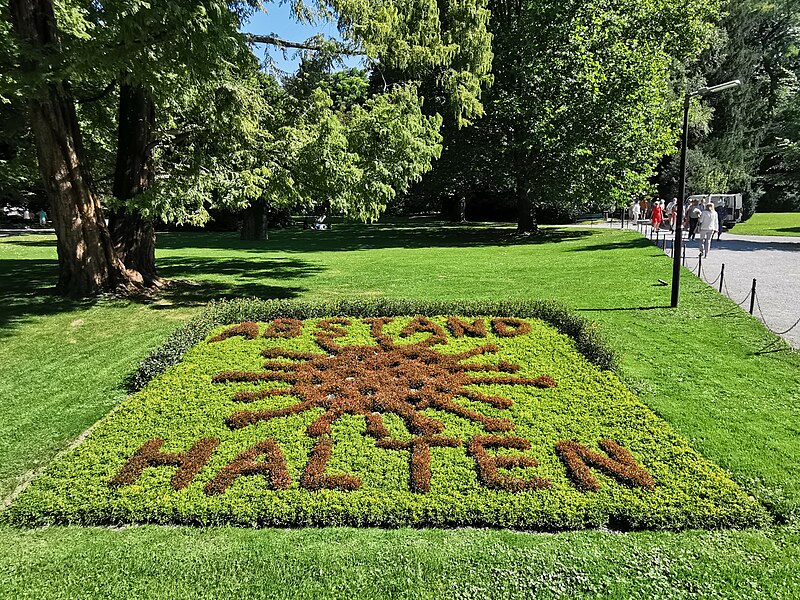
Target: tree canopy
{"x": 180, "y": 118}
{"x": 582, "y": 105}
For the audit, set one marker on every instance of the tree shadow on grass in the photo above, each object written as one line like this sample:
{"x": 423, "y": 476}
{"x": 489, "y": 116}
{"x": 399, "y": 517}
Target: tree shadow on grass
{"x": 27, "y": 289}
{"x": 350, "y": 237}
{"x": 33, "y": 242}
{"x": 214, "y": 278}
{"x": 626, "y": 244}
{"x": 626, "y": 308}
{"x": 27, "y": 286}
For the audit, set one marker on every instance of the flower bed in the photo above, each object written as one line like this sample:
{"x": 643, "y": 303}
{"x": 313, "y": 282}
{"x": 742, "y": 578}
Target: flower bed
{"x": 387, "y": 420}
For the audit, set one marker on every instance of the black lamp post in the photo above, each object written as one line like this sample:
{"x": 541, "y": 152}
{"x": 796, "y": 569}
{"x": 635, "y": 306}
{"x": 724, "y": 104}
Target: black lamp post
{"x": 676, "y": 259}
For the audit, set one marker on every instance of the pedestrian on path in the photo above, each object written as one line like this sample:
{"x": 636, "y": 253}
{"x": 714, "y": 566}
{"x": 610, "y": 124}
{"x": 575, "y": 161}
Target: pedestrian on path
{"x": 670, "y": 214}
{"x": 709, "y": 225}
{"x": 658, "y": 216}
{"x": 693, "y": 214}
{"x": 42, "y": 218}
{"x": 636, "y": 212}
{"x": 644, "y": 206}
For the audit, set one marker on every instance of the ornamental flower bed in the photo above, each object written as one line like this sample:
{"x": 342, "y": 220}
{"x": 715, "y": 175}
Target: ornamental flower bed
{"x": 376, "y": 420}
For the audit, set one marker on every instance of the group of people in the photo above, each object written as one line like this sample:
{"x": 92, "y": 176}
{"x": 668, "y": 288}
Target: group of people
{"x": 658, "y": 212}
{"x": 41, "y": 216}
{"x": 702, "y": 218}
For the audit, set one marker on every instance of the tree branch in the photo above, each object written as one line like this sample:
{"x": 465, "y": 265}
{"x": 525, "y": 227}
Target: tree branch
{"x": 102, "y": 94}
{"x": 281, "y": 43}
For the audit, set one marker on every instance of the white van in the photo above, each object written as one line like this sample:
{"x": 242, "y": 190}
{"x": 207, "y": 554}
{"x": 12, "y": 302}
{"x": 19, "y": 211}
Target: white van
{"x": 728, "y": 207}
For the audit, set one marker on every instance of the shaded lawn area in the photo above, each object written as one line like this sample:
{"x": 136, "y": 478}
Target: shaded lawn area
{"x": 770, "y": 224}
{"x": 62, "y": 364}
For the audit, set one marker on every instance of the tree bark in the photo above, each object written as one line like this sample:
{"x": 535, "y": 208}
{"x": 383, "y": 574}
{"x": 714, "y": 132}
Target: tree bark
{"x": 255, "y": 224}
{"x": 526, "y": 208}
{"x": 134, "y": 236}
{"x": 86, "y": 258}
{"x": 462, "y": 208}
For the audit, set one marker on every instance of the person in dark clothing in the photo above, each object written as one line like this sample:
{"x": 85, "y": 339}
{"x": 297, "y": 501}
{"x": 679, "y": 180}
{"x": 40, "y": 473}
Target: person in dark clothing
{"x": 693, "y": 214}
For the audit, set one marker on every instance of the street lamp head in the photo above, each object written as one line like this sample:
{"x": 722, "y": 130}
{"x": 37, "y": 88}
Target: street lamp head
{"x": 704, "y": 91}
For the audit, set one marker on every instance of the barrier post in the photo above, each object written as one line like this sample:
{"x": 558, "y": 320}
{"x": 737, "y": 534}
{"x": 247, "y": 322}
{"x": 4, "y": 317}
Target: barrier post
{"x": 752, "y": 296}
{"x": 699, "y": 265}
{"x": 683, "y": 246}
{"x": 721, "y": 277}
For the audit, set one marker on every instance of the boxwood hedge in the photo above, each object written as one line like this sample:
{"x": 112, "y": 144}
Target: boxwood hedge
{"x": 502, "y": 462}
{"x": 585, "y": 334}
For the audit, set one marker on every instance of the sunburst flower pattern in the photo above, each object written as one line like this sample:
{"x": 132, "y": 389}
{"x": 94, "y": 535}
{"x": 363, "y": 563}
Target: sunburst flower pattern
{"x": 376, "y": 380}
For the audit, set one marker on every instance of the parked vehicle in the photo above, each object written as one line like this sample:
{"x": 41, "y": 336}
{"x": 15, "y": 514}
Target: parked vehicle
{"x": 728, "y": 207}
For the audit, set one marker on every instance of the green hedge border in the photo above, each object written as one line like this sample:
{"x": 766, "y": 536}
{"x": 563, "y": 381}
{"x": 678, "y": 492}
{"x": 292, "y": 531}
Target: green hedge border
{"x": 588, "y": 339}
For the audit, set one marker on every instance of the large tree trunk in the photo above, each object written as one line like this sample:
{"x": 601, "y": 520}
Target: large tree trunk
{"x": 86, "y": 258}
{"x": 134, "y": 240}
{"x": 133, "y": 236}
{"x": 526, "y": 208}
{"x": 255, "y": 224}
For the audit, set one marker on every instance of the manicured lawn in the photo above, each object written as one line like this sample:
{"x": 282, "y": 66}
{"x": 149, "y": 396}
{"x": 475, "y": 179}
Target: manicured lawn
{"x": 770, "y": 224}
{"x": 62, "y": 364}
{"x": 152, "y": 562}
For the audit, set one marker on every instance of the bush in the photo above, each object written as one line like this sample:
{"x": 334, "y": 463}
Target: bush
{"x": 587, "y": 338}
{"x": 424, "y": 421}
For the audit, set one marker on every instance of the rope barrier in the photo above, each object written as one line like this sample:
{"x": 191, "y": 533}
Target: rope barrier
{"x": 730, "y": 296}
{"x": 764, "y": 320}
{"x": 701, "y": 274}
{"x": 796, "y": 323}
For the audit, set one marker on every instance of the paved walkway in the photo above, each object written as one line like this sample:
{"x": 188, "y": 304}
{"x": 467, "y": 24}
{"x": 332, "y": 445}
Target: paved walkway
{"x": 774, "y": 262}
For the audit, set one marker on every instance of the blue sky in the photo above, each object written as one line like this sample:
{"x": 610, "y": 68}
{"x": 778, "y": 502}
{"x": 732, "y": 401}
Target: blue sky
{"x": 278, "y": 20}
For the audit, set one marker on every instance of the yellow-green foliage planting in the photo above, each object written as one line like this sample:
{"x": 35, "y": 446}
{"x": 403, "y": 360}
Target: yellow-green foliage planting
{"x": 442, "y": 420}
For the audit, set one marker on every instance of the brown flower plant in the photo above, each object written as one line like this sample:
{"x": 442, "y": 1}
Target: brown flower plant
{"x": 460, "y": 328}
{"x": 149, "y": 454}
{"x": 284, "y": 328}
{"x": 488, "y": 466}
{"x": 621, "y": 465}
{"x": 247, "y": 329}
{"x": 374, "y": 380}
{"x": 273, "y": 466}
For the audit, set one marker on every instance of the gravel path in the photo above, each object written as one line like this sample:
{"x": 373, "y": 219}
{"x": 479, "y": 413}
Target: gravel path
{"x": 774, "y": 262}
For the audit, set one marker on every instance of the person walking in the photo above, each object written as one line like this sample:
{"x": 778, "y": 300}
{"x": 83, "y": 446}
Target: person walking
{"x": 693, "y": 215}
{"x": 636, "y": 212}
{"x": 709, "y": 225}
{"x": 42, "y": 218}
{"x": 670, "y": 214}
{"x": 643, "y": 208}
{"x": 657, "y": 216}
{"x": 673, "y": 215}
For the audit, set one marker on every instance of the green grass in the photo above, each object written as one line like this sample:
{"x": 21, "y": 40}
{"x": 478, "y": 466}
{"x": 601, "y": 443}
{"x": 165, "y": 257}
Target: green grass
{"x": 152, "y": 562}
{"x": 698, "y": 367}
{"x": 770, "y": 224}
{"x": 586, "y": 405}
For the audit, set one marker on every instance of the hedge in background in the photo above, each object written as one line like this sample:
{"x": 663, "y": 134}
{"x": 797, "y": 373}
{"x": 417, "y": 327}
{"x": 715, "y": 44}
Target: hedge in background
{"x": 376, "y": 420}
